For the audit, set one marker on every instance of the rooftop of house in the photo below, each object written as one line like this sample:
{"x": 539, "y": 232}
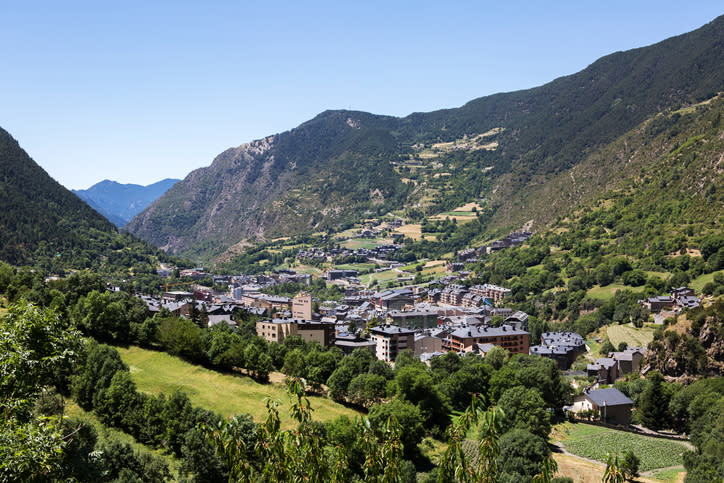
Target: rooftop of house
{"x": 609, "y": 397}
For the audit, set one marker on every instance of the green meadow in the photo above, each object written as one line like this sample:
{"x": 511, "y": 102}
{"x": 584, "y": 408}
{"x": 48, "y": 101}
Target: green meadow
{"x": 227, "y": 394}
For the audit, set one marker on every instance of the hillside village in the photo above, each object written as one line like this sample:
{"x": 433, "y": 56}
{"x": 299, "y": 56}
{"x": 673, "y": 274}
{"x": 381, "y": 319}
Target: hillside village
{"x": 429, "y": 320}
{"x": 527, "y": 288}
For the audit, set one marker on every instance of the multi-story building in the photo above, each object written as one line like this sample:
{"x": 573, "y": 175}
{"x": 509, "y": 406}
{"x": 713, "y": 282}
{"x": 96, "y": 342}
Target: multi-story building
{"x": 425, "y": 319}
{"x": 302, "y": 306}
{"x": 462, "y": 340}
{"x": 277, "y": 330}
{"x": 390, "y": 340}
{"x": 452, "y": 294}
{"x": 490, "y": 291}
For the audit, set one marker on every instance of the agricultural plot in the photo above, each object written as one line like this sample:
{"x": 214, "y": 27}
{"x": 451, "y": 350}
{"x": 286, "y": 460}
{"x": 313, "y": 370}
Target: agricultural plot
{"x": 631, "y": 335}
{"x": 412, "y": 231}
{"x": 596, "y": 442}
{"x": 157, "y": 372}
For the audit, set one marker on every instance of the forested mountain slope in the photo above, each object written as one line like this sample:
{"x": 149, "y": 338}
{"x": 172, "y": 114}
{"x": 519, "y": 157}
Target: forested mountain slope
{"x": 121, "y": 202}
{"x": 36, "y": 212}
{"x": 343, "y": 165}
{"x": 45, "y": 225}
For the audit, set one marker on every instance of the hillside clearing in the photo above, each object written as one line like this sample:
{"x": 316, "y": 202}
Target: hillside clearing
{"x": 157, "y": 372}
{"x": 631, "y": 335}
{"x": 607, "y": 292}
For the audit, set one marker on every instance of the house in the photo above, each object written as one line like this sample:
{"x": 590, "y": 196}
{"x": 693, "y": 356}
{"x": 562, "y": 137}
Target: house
{"x": 393, "y": 299}
{"x": 655, "y": 304}
{"x": 612, "y": 405}
{"x": 453, "y": 294}
{"x": 629, "y": 360}
{"x": 390, "y": 340}
{"x": 605, "y": 370}
{"x": 217, "y": 319}
{"x": 277, "y": 330}
{"x": 684, "y": 298}
{"x": 322, "y": 331}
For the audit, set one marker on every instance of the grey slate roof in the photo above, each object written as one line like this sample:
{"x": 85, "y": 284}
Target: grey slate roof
{"x": 609, "y": 397}
{"x": 391, "y": 330}
{"x": 485, "y": 331}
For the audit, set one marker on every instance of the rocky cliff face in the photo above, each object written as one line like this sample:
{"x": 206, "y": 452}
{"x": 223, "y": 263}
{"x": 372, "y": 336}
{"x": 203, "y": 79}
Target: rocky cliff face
{"x": 697, "y": 351}
{"x": 315, "y": 176}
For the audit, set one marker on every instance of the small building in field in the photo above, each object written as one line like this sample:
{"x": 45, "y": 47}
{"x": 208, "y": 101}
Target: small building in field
{"x": 612, "y": 406}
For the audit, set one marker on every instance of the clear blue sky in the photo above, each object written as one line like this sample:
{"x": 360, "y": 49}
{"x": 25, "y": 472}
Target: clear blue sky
{"x": 139, "y": 91}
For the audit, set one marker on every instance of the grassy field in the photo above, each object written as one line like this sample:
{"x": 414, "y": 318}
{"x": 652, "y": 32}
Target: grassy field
{"x": 360, "y": 267}
{"x": 605, "y": 293}
{"x": 699, "y": 282}
{"x": 413, "y": 231}
{"x": 381, "y": 277}
{"x": 594, "y": 442}
{"x": 157, "y": 372}
{"x": 356, "y": 243}
{"x": 583, "y": 471}
{"x": 630, "y": 334}
{"x": 307, "y": 269}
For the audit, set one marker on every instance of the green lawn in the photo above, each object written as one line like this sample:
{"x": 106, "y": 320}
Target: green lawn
{"x": 355, "y": 243}
{"x": 156, "y": 372}
{"x": 596, "y": 442}
{"x": 669, "y": 474}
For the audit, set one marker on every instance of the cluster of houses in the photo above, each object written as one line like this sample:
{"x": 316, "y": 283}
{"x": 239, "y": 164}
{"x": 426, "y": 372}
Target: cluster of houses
{"x": 680, "y": 298}
{"x": 616, "y": 364}
{"x": 380, "y": 252}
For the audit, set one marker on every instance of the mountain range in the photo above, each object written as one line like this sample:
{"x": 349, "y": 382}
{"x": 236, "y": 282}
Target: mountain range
{"x": 118, "y": 202}
{"x": 505, "y": 151}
